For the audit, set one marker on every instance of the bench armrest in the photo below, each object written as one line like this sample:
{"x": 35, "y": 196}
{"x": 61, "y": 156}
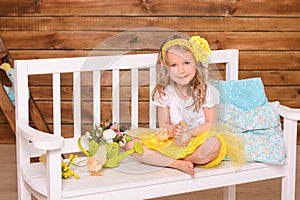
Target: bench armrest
{"x": 289, "y": 113}
{"x": 40, "y": 140}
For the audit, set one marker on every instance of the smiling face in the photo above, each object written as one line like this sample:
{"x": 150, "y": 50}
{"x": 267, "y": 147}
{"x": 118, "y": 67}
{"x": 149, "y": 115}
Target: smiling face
{"x": 182, "y": 65}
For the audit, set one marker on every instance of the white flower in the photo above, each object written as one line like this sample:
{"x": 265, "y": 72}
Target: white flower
{"x": 109, "y": 135}
{"x": 88, "y": 135}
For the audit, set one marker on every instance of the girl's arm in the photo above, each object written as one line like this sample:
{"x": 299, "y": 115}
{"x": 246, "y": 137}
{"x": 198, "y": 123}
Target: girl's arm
{"x": 164, "y": 120}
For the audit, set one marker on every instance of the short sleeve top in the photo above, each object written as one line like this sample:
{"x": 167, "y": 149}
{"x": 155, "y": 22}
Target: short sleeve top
{"x": 182, "y": 109}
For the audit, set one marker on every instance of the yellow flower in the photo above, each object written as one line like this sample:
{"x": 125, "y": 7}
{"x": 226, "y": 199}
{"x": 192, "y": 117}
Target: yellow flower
{"x": 76, "y": 176}
{"x": 201, "y": 48}
{"x": 42, "y": 159}
{"x": 65, "y": 168}
{"x": 5, "y": 66}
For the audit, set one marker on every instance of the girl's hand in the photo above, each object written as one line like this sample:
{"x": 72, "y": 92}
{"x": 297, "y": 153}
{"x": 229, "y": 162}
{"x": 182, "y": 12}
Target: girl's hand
{"x": 182, "y": 138}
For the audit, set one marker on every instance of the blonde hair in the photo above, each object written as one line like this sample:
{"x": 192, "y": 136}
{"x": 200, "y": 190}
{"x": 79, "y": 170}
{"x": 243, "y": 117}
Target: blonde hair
{"x": 198, "y": 83}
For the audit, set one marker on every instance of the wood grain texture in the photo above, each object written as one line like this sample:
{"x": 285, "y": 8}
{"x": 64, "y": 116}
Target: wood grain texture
{"x": 7, "y": 108}
{"x": 98, "y": 40}
{"x": 123, "y": 23}
{"x": 7, "y": 136}
{"x": 249, "y": 60}
{"x": 150, "y": 7}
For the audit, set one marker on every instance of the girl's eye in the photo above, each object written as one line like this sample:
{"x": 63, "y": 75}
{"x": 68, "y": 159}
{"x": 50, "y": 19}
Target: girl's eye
{"x": 187, "y": 62}
{"x": 173, "y": 65}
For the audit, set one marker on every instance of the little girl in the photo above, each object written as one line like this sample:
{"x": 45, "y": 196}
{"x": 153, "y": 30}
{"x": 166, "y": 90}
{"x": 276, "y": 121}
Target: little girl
{"x": 186, "y": 109}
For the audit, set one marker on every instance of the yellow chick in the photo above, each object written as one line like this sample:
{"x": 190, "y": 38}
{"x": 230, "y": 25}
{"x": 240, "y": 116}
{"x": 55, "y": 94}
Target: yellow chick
{"x": 162, "y": 135}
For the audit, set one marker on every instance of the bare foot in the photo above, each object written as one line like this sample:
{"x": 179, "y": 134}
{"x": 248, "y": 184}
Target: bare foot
{"x": 185, "y": 166}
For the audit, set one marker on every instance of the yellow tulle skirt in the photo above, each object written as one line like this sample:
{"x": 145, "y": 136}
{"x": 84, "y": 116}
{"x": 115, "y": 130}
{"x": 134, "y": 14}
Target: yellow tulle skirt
{"x": 231, "y": 145}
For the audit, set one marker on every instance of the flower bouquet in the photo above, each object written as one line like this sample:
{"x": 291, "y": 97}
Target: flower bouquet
{"x": 102, "y": 146}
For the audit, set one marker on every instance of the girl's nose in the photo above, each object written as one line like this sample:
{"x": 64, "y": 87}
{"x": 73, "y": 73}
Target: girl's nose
{"x": 180, "y": 69}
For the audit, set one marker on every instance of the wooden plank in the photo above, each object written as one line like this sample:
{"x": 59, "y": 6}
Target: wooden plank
{"x": 2, "y": 117}
{"x": 124, "y": 23}
{"x": 6, "y": 134}
{"x": 274, "y": 78}
{"x": 7, "y": 108}
{"x": 149, "y": 8}
{"x": 270, "y": 78}
{"x": 291, "y": 104}
{"x": 111, "y": 41}
{"x": 39, "y": 54}
{"x": 249, "y": 60}
{"x": 36, "y": 116}
{"x": 4, "y": 58}
{"x": 269, "y": 60}
{"x": 3, "y": 78}
{"x": 286, "y": 93}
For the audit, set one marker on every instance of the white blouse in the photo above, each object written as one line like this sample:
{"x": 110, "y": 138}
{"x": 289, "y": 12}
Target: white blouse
{"x": 182, "y": 110}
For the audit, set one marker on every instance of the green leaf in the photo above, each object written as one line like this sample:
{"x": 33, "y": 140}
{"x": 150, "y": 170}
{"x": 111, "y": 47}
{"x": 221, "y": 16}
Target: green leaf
{"x": 128, "y": 138}
{"x": 93, "y": 147}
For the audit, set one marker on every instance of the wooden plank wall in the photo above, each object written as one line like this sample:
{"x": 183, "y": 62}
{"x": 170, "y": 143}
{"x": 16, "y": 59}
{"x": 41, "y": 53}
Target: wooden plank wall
{"x": 265, "y": 31}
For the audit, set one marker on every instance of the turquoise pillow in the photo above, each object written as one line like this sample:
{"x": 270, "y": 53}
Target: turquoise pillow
{"x": 245, "y": 94}
{"x": 260, "y": 130}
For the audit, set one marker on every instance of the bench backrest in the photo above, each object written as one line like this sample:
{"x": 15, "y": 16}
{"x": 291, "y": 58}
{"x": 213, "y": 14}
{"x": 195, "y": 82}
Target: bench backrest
{"x": 130, "y": 69}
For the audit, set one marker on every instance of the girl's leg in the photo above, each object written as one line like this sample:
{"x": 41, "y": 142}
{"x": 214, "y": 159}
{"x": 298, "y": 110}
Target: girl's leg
{"x": 152, "y": 157}
{"x": 207, "y": 152}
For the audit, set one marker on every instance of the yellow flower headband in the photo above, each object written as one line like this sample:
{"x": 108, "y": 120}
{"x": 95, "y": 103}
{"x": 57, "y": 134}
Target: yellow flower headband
{"x": 197, "y": 45}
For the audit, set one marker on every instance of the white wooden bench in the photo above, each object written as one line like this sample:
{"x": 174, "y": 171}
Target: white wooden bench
{"x": 131, "y": 180}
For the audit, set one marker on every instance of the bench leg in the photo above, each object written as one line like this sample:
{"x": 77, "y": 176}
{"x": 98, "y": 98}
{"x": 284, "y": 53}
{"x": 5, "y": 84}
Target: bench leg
{"x": 287, "y": 189}
{"x": 230, "y": 192}
{"x": 288, "y": 183}
{"x": 22, "y": 151}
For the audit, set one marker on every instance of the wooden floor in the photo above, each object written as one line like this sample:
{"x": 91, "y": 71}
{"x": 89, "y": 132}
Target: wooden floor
{"x": 264, "y": 190}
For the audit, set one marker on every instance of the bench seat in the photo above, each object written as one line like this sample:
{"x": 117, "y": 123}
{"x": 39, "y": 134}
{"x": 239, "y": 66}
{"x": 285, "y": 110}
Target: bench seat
{"x": 141, "y": 181}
